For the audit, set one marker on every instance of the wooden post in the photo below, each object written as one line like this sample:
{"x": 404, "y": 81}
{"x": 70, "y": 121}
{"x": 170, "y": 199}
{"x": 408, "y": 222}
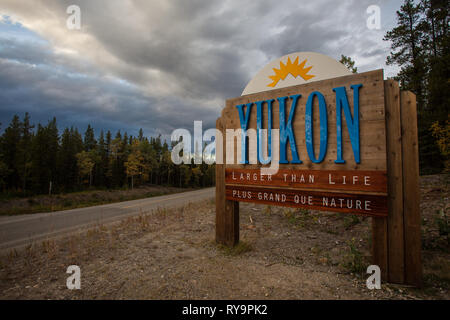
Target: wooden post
{"x": 396, "y": 256}
{"x": 382, "y": 227}
{"x": 396, "y": 240}
{"x": 380, "y": 246}
{"x": 411, "y": 192}
{"x": 227, "y": 212}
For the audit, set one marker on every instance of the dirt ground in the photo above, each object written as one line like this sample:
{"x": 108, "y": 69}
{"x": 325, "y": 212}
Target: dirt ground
{"x": 283, "y": 254}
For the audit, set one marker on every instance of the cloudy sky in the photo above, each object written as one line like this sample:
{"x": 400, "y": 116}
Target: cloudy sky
{"x": 161, "y": 64}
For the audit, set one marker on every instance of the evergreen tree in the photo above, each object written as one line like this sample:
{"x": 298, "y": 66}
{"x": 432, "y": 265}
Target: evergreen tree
{"x": 10, "y": 145}
{"x": 53, "y": 146}
{"x": 116, "y": 169}
{"x": 24, "y": 152}
{"x": 41, "y": 161}
{"x": 4, "y": 170}
{"x": 44, "y": 157}
{"x": 71, "y": 145}
{"x": 108, "y": 142}
{"x": 349, "y": 63}
{"x": 420, "y": 46}
{"x": 102, "y": 161}
{"x": 437, "y": 45}
{"x": 89, "y": 139}
{"x": 406, "y": 39}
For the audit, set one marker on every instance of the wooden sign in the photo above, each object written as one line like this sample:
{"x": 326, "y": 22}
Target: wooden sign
{"x": 340, "y": 149}
{"x": 349, "y": 174}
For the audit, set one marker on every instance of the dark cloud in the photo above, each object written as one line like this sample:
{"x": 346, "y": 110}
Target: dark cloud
{"x": 77, "y": 100}
{"x": 161, "y": 65}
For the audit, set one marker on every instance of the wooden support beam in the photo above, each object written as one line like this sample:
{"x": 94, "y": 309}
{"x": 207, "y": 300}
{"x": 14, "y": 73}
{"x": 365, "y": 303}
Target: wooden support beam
{"x": 380, "y": 246}
{"x": 411, "y": 192}
{"x": 395, "y": 237}
{"x": 227, "y": 212}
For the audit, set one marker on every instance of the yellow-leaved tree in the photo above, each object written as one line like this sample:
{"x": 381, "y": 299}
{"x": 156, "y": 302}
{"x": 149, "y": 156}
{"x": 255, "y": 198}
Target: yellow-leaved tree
{"x": 134, "y": 165}
{"x": 86, "y": 163}
{"x": 442, "y": 135}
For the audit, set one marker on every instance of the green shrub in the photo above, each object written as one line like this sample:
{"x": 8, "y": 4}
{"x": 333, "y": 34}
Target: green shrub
{"x": 241, "y": 248}
{"x": 354, "y": 260}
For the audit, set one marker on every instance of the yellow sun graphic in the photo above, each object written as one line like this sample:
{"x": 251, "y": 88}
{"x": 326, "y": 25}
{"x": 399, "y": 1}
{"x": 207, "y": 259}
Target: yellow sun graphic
{"x": 294, "y": 69}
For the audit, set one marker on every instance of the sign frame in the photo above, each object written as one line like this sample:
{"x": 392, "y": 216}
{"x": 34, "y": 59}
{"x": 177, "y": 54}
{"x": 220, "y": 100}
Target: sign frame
{"x": 396, "y": 236}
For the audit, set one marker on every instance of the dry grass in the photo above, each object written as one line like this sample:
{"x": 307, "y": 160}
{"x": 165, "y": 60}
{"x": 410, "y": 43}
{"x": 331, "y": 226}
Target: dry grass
{"x": 170, "y": 254}
{"x": 241, "y": 248}
{"x": 45, "y": 203}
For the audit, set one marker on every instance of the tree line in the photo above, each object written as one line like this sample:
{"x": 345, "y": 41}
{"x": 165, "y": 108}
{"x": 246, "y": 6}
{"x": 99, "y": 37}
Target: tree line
{"x": 420, "y": 46}
{"x": 40, "y": 160}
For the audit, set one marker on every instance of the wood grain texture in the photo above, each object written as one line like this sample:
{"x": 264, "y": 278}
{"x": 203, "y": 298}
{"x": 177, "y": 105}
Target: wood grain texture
{"x": 389, "y": 154}
{"x": 220, "y": 197}
{"x": 380, "y": 246}
{"x": 227, "y": 212}
{"x": 395, "y": 183}
{"x": 369, "y": 205}
{"x": 359, "y": 182}
{"x": 372, "y": 121}
{"x": 411, "y": 192}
